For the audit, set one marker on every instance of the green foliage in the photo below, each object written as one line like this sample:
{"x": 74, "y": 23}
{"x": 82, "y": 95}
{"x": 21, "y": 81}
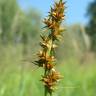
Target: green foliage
{"x": 22, "y": 79}
{"x": 16, "y": 25}
{"x": 74, "y": 44}
{"x": 7, "y": 12}
{"x": 91, "y": 27}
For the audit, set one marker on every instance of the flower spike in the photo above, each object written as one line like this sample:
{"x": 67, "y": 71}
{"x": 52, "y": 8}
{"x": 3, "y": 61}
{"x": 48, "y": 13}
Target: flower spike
{"x": 46, "y": 57}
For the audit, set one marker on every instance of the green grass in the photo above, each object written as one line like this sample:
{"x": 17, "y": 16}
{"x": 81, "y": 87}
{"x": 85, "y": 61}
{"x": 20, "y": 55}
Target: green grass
{"x": 21, "y": 79}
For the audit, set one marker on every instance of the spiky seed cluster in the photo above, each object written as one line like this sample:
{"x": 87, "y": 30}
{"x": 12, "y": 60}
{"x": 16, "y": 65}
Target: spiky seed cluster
{"x": 51, "y": 80}
{"x": 46, "y": 55}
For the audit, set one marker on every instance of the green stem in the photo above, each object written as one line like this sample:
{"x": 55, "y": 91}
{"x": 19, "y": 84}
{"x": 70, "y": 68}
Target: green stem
{"x": 45, "y": 94}
{"x": 50, "y": 94}
{"x": 46, "y": 71}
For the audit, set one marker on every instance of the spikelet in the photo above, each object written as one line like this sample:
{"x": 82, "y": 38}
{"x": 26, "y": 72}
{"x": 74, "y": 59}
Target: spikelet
{"x": 46, "y": 55}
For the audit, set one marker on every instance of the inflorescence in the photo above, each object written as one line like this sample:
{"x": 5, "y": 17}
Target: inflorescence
{"x": 46, "y": 55}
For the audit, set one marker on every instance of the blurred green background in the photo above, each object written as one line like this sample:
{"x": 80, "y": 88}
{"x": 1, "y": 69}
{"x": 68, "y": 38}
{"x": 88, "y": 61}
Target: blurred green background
{"x": 19, "y": 42}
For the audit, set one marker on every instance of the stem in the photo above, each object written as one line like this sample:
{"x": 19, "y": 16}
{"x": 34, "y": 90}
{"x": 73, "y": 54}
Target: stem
{"x": 51, "y": 94}
{"x": 48, "y": 52}
{"x": 45, "y": 73}
{"x": 45, "y": 94}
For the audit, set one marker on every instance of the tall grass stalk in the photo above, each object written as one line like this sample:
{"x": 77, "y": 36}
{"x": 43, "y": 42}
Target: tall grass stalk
{"x": 48, "y": 45}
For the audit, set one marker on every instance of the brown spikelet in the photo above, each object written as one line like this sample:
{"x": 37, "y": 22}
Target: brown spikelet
{"x": 46, "y": 55}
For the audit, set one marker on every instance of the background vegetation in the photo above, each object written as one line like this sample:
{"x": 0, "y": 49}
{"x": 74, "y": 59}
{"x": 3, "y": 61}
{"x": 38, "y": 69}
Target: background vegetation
{"x": 19, "y": 37}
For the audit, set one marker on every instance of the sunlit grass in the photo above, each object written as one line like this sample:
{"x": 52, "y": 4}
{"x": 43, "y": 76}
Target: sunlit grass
{"x": 18, "y": 80}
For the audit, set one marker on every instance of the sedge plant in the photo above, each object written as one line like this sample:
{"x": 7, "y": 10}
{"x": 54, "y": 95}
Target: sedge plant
{"x": 46, "y": 56}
